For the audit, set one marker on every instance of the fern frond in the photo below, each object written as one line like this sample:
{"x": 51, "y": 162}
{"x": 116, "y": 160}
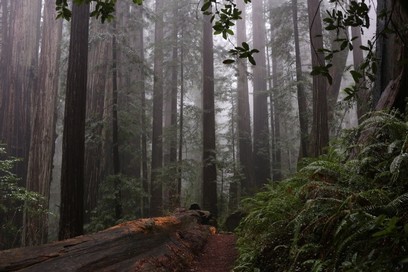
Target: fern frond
{"x": 395, "y": 207}
{"x": 375, "y": 196}
{"x": 319, "y": 189}
{"x": 317, "y": 265}
{"x": 399, "y": 160}
{"x": 373, "y": 149}
{"x": 323, "y": 170}
{"x": 306, "y": 249}
{"x": 381, "y": 118}
{"x": 353, "y": 229}
{"x": 399, "y": 204}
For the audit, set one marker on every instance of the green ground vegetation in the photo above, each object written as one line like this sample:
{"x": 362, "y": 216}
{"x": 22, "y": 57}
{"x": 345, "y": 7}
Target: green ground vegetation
{"x": 345, "y": 211}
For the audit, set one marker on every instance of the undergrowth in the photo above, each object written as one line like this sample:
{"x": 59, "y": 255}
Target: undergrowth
{"x": 104, "y": 215}
{"x": 14, "y": 201}
{"x": 345, "y": 211}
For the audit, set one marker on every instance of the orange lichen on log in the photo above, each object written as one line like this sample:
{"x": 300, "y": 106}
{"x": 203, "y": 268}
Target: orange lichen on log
{"x": 213, "y": 230}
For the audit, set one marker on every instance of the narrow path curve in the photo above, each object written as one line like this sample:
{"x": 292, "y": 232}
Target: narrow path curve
{"x": 219, "y": 254}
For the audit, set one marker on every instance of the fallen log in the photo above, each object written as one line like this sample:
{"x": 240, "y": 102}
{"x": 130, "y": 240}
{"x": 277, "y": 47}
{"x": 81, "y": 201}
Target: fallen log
{"x": 157, "y": 244}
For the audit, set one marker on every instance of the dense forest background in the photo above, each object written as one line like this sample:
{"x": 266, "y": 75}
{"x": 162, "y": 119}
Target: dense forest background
{"x": 160, "y": 107}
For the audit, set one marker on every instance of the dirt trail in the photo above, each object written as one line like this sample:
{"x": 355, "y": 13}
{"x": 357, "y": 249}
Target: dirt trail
{"x": 219, "y": 254}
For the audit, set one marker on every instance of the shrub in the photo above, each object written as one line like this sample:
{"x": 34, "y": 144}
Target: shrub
{"x": 14, "y": 200}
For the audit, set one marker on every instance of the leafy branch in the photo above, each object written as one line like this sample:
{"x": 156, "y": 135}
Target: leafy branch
{"x": 340, "y": 18}
{"x": 223, "y": 17}
{"x": 104, "y": 9}
{"x": 242, "y": 53}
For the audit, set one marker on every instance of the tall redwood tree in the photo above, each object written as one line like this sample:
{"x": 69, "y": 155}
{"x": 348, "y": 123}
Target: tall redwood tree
{"x": 156, "y": 202}
{"x": 261, "y": 152}
{"x": 209, "y": 155}
{"x": 44, "y": 121}
{"x": 320, "y": 130}
{"x": 73, "y": 146}
{"x": 301, "y": 94}
{"x": 244, "y": 118}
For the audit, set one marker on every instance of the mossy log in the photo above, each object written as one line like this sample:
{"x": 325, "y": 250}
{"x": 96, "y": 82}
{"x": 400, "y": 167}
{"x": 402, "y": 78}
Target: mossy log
{"x": 157, "y": 244}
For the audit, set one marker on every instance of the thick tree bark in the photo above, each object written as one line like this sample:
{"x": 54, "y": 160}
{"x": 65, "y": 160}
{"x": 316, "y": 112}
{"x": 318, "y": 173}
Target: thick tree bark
{"x": 336, "y": 71}
{"x": 401, "y": 19}
{"x": 395, "y": 93}
{"x": 72, "y": 178}
{"x": 174, "y": 197}
{"x": 244, "y": 115}
{"x": 19, "y": 78}
{"x": 44, "y": 122}
{"x": 181, "y": 116}
{"x": 115, "y": 128}
{"x": 234, "y": 188}
{"x": 156, "y": 202}
{"x": 140, "y": 138}
{"x": 261, "y": 151}
{"x": 18, "y": 84}
{"x": 98, "y": 62}
{"x": 143, "y": 118}
{"x": 4, "y": 29}
{"x": 363, "y": 98}
{"x": 392, "y": 70}
{"x": 301, "y": 95}
{"x": 389, "y": 96}
{"x": 384, "y": 52}
{"x": 320, "y": 131}
{"x": 209, "y": 152}
{"x": 275, "y": 111}
{"x": 392, "y": 52}
{"x": 6, "y": 50}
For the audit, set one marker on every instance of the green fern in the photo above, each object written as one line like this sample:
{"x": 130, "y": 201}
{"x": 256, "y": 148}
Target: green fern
{"x": 345, "y": 211}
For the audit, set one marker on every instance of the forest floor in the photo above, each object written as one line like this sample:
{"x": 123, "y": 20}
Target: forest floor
{"x": 219, "y": 254}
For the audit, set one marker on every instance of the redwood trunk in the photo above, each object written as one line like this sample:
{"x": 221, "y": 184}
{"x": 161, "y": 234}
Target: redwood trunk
{"x": 209, "y": 154}
{"x": 19, "y": 78}
{"x": 97, "y": 79}
{"x": 44, "y": 122}
{"x": 301, "y": 95}
{"x": 156, "y": 202}
{"x": 73, "y": 146}
{"x": 275, "y": 110}
{"x": 244, "y": 118}
{"x": 320, "y": 131}
{"x": 261, "y": 153}
{"x": 363, "y": 99}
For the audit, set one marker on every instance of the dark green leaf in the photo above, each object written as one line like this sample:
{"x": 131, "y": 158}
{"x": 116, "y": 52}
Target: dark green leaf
{"x": 229, "y": 31}
{"x": 245, "y": 45}
{"x": 374, "y": 67}
{"x": 206, "y": 6}
{"x": 251, "y": 60}
{"x": 356, "y": 75}
{"x": 344, "y": 45}
{"x": 228, "y": 61}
